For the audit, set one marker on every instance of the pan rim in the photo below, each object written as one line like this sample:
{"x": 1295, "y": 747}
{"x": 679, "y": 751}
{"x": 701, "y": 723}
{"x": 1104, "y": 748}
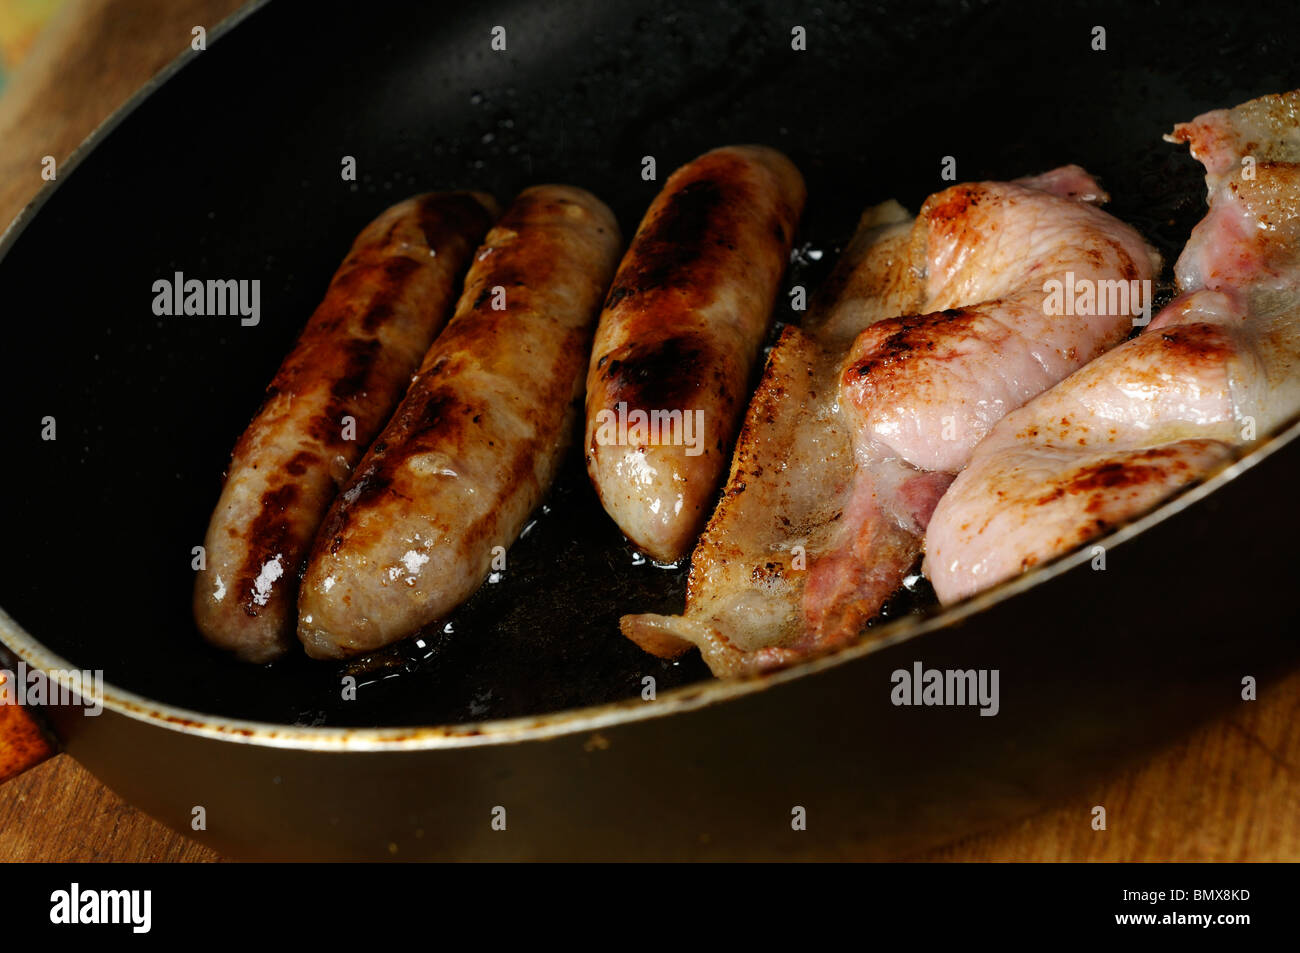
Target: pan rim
{"x": 14, "y": 228}
{"x": 570, "y": 722}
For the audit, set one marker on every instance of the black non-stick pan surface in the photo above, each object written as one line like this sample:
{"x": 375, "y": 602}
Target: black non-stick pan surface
{"x": 231, "y": 169}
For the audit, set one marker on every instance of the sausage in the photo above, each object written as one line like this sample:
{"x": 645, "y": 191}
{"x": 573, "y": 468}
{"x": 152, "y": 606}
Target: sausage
{"x": 678, "y": 339}
{"x": 354, "y": 359}
{"x": 477, "y": 441}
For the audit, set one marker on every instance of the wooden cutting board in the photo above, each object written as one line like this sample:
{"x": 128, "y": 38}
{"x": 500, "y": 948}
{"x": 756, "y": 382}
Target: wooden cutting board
{"x": 1230, "y": 790}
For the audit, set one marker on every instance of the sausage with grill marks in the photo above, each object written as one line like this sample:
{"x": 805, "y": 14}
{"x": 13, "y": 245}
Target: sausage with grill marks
{"x": 354, "y": 359}
{"x": 679, "y": 337}
{"x": 478, "y": 439}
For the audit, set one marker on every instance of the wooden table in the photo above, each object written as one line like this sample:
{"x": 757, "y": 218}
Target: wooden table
{"x": 1230, "y": 790}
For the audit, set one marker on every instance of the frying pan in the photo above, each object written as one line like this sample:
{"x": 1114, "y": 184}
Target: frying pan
{"x": 528, "y": 707}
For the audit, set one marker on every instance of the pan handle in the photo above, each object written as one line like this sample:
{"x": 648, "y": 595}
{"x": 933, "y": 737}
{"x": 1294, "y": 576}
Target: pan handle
{"x": 24, "y": 739}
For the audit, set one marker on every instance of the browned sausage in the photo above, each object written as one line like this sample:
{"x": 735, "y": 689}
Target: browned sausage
{"x": 476, "y": 442}
{"x": 677, "y": 341}
{"x": 348, "y": 369}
